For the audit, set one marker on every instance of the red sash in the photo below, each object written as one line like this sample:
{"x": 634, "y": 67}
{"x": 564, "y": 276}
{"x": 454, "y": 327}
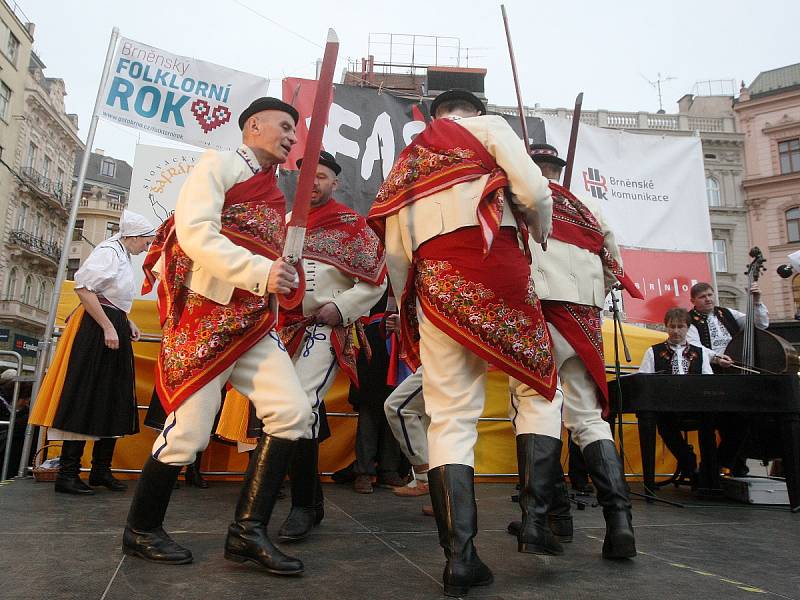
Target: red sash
{"x": 581, "y": 326}
{"x": 338, "y": 236}
{"x": 202, "y": 338}
{"x": 481, "y": 304}
{"x": 574, "y": 223}
{"x": 443, "y": 155}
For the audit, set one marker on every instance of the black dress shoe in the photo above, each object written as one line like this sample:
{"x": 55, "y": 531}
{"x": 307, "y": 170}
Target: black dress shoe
{"x": 155, "y": 546}
{"x": 106, "y": 479}
{"x": 73, "y": 485}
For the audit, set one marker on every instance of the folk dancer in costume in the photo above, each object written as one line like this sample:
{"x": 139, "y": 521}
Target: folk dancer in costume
{"x": 89, "y": 391}
{"x": 218, "y": 260}
{"x": 451, "y": 230}
{"x": 676, "y": 356}
{"x": 405, "y": 413}
{"x": 345, "y": 273}
{"x": 572, "y": 280}
{"x": 713, "y": 327}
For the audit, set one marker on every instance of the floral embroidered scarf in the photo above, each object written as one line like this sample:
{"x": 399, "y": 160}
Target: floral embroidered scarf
{"x": 574, "y": 223}
{"x": 200, "y": 337}
{"x": 443, "y": 155}
{"x": 340, "y": 237}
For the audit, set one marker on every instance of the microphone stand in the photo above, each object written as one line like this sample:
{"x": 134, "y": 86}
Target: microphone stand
{"x": 619, "y": 332}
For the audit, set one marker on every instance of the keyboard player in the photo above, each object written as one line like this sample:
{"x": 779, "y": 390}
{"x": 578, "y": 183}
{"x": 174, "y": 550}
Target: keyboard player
{"x": 678, "y": 357}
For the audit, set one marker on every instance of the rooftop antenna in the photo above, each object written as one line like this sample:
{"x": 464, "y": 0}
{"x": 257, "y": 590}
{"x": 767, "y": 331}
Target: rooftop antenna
{"x": 657, "y": 85}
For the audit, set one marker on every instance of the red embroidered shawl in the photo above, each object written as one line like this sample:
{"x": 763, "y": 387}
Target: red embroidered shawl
{"x": 340, "y": 237}
{"x": 574, "y": 223}
{"x": 443, "y": 155}
{"x": 202, "y": 338}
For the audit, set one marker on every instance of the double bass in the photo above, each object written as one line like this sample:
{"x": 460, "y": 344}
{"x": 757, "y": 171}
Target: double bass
{"x": 754, "y": 349}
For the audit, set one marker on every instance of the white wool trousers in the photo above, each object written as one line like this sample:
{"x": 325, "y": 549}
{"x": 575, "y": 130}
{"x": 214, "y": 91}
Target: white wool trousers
{"x": 405, "y": 412}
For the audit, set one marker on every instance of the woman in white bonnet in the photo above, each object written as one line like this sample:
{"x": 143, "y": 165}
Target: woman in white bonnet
{"x": 95, "y": 399}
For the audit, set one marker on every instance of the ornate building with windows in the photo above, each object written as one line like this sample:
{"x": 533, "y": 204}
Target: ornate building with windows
{"x": 711, "y": 117}
{"x": 104, "y": 196}
{"x": 40, "y": 161}
{"x": 768, "y": 113}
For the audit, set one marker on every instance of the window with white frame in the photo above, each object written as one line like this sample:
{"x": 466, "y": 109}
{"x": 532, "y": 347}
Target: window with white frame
{"x": 793, "y": 225}
{"x": 12, "y": 48}
{"x": 33, "y": 150}
{"x": 27, "y": 290}
{"x": 712, "y": 192}
{"x": 720, "y": 256}
{"x": 22, "y": 216}
{"x": 107, "y": 167}
{"x": 47, "y": 163}
{"x": 5, "y": 100}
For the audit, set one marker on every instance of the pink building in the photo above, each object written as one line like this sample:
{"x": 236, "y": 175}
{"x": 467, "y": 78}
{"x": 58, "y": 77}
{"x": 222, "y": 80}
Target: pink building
{"x": 768, "y": 113}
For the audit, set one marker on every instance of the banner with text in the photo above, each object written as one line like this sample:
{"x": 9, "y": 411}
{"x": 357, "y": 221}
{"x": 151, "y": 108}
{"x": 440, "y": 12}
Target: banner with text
{"x": 181, "y": 98}
{"x": 651, "y": 187}
{"x": 664, "y": 278}
{"x": 158, "y": 174}
{"x": 366, "y": 130}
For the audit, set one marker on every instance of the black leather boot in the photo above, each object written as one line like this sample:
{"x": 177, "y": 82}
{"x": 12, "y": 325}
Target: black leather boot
{"x": 247, "y": 535}
{"x": 307, "y": 502}
{"x": 453, "y": 498}
{"x": 68, "y": 480}
{"x": 608, "y": 476}
{"x": 559, "y": 518}
{"x": 193, "y": 476}
{"x": 102, "y": 453}
{"x": 539, "y": 461}
{"x": 144, "y": 535}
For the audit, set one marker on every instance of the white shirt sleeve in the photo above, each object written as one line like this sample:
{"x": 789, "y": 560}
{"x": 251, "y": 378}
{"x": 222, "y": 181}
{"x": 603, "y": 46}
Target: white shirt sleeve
{"x": 760, "y": 316}
{"x": 98, "y": 270}
{"x": 693, "y": 339}
{"x": 648, "y": 362}
{"x": 706, "y": 367}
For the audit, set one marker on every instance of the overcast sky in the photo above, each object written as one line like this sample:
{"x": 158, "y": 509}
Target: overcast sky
{"x": 604, "y": 49}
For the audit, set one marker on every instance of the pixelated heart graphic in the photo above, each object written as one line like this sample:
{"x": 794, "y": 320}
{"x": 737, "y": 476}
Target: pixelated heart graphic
{"x": 210, "y": 119}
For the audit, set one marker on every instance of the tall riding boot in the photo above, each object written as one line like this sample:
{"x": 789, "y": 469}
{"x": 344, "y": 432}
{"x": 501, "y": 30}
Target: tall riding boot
{"x": 193, "y": 476}
{"x": 559, "y": 517}
{"x": 102, "y": 453}
{"x": 608, "y": 476}
{"x": 68, "y": 480}
{"x": 453, "y": 496}
{"x": 307, "y": 502}
{"x": 539, "y": 460}
{"x": 247, "y": 535}
{"x": 144, "y": 535}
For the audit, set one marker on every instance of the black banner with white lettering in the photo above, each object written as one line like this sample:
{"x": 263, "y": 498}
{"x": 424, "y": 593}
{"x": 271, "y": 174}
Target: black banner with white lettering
{"x": 366, "y": 131}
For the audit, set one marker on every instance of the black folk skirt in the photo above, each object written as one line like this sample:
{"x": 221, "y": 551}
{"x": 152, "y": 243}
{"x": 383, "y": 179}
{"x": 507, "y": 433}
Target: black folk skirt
{"x": 99, "y": 396}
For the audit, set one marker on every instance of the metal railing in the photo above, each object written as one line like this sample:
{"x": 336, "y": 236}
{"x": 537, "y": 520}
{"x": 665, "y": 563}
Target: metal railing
{"x": 27, "y": 240}
{"x": 24, "y": 468}
{"x": 55, "y": 190}
{"x": 12, "y": 411}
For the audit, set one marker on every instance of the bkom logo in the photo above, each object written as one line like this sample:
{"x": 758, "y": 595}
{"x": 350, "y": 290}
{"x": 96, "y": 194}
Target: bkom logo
{"x": 595, "y": 183}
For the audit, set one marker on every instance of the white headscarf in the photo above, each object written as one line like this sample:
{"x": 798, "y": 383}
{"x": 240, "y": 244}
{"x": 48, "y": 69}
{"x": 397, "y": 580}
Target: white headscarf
{"x": 131, "y": 225}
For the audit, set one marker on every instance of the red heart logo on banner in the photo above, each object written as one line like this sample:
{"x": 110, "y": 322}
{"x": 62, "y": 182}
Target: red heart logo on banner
{"x": 210, "y": 119}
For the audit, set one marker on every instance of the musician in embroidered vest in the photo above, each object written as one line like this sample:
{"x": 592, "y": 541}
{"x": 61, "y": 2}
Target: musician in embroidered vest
{"x": 345, "y": 274}
{"x": 218, "y": 261}
{"x": 454, "y": 212}
{"x": 678, "y": 357}
{"x": 572, "y": 279}
{"x": 713, "y": 327}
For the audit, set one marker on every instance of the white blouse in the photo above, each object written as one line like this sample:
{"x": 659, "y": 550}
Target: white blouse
{"x": 108, "y": 272}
